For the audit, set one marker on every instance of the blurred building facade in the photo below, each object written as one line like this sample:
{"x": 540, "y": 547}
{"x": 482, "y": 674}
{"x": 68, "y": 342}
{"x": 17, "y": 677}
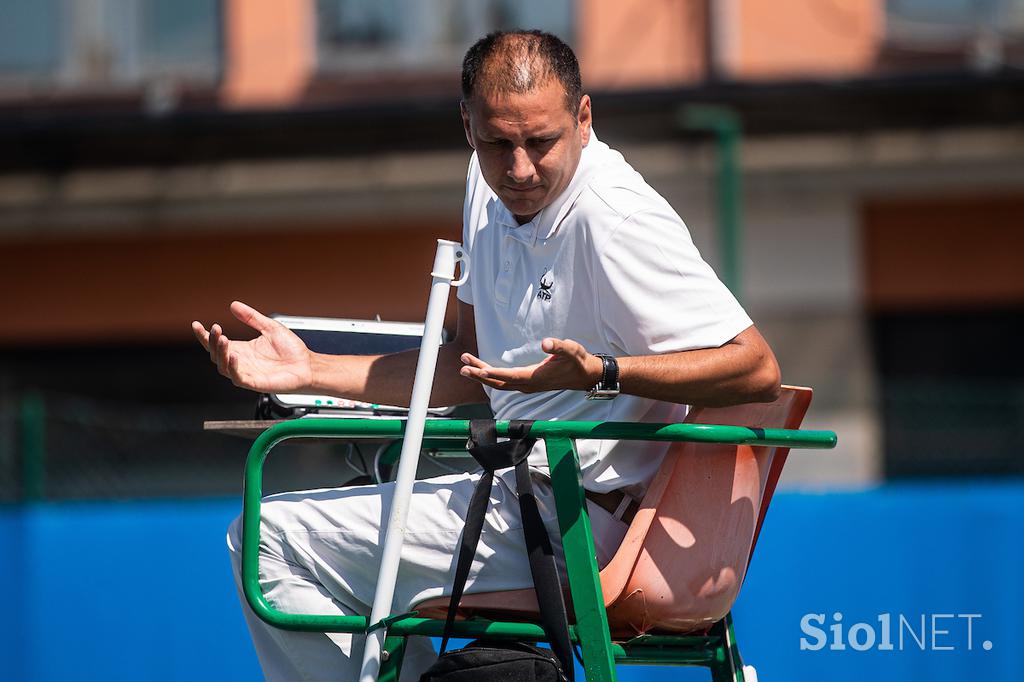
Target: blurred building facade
{"x": 161, "y": 158}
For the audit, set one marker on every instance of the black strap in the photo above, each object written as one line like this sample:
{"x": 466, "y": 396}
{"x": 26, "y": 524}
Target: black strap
{"x": 545, "y": 572}
{"x": 492, "y": 456}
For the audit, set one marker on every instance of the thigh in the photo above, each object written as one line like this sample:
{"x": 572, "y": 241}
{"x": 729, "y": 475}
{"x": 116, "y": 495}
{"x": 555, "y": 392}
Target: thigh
{"x": 336, "y": 535}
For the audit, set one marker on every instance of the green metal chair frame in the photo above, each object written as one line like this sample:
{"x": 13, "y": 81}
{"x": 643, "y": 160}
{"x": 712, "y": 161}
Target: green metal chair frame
{"x": 716, "y": 650}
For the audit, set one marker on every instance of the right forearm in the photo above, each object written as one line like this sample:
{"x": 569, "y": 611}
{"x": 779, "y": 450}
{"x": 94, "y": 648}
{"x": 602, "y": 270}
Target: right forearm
{"x": 388, "y": 379}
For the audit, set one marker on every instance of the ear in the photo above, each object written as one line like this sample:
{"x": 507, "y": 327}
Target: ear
{"x": 584, "y": 119}
{"x": 464, "y": 110}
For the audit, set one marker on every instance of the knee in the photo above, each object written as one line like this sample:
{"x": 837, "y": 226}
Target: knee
{"x": 273, "y": 520}
{"x": 234, "y": 537}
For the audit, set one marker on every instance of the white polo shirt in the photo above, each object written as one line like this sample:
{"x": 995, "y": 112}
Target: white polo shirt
{"x": 608, "y": 264}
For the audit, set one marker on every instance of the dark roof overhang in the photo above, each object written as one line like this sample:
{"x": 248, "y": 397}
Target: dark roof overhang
{"x": 60, "y": 136}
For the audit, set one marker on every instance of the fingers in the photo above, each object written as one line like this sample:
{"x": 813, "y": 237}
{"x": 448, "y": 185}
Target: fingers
{"x": 485, "y": 378}
{"x": 235, "y": 371}
{"x": 562, "y": 369}
{"x": 475, "y": 368}
{"x": 561, "y": 347}
{"x": 224, "y": 353}
{"x": 251, "y": 316}
{"x": 507, "y": 375}
{"x": 202, "y": 336}
{"x": 221, "y": 354}
{"x": 572, "y": 355}
{"x": 216, "y": 334}
{"x": 473, "y": 361}
{"x": 502, "y": 378}
{"x": 216, "y": 344}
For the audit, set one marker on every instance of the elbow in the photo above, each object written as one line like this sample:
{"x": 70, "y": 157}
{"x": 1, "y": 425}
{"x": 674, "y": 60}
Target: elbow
{"x": 760, "y": 376}
{"x": 763, "y": 378}
{"x": 770, "y": 393}
{"x": 767, "y": 381}
{"x": 760, "y": 384}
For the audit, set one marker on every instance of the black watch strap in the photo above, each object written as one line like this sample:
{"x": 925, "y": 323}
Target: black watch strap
{"x": 608, "y": 387}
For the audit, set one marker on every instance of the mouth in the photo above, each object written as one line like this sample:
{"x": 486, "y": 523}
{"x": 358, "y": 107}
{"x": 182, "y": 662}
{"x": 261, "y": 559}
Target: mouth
{"x": 522, "y": 190}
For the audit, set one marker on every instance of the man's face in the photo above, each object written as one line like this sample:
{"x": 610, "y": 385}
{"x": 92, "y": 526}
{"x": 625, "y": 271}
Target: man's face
{"x": 528, "y": 144}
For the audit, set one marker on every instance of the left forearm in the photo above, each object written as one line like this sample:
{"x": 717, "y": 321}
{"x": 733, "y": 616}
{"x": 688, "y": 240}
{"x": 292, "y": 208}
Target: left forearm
{"x": 743, "y": 370}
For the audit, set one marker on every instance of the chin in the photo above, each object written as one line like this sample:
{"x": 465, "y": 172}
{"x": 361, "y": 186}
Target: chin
{"x": 522, "y": 208}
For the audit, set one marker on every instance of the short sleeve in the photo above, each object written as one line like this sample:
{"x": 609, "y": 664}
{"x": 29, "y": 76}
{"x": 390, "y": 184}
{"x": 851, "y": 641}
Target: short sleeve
{"x": 656, "y": 294}
{"x": 469, "y": 219}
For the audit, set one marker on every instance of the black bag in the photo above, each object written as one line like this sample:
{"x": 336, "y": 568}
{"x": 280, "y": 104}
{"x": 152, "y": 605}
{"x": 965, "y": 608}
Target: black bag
{"x": 506, "y": 659}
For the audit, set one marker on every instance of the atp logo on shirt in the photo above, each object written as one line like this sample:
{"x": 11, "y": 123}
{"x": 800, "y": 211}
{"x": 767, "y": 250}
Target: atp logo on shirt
{"x": 547, "y": 281}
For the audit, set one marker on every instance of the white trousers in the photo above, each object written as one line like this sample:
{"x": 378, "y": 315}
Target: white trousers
{"x": 320, "y": 554}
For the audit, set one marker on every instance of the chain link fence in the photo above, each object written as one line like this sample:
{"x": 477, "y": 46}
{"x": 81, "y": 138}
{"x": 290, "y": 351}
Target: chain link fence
{"x": 57, "y": 446}
{"x": 11, "y": 486}
{"x": 60, "y": 446}
{"x": 946, "y": 428}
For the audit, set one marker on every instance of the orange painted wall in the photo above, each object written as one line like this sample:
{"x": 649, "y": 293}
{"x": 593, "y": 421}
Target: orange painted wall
{"x": 123, "y": 289}
{"x": 270, "y": 51}
{"x": 271, "y": 46}
{"x": 772, "y": 39}
{"x": 640, "y": 43}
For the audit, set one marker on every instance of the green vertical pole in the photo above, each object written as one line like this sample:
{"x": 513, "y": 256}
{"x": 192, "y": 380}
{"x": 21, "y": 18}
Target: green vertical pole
{"x": 730, "y": 225}
{"x": 391, "y": 659}
{"x": 33, "y": 447}
{"x": 581, "y": 561}
{"x": 726, "y": 126}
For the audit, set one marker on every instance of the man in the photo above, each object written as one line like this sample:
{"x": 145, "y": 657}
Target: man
{"x": 573, "y": 254}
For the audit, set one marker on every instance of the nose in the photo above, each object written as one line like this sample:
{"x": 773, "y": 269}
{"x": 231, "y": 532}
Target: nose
{"x": 522, "y": 170}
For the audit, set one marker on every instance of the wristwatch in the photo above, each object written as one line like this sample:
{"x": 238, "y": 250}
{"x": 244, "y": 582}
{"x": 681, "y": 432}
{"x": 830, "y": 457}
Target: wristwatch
{"x": 608, "y": 387}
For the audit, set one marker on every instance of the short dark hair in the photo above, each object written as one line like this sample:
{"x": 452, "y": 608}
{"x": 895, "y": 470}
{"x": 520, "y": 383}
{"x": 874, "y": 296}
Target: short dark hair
{"x": 518, "y": 61}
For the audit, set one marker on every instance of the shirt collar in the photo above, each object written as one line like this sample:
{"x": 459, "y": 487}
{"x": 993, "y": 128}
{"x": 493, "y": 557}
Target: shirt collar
{"x": 546, "y": 223}
{"x": 525, "y": 233}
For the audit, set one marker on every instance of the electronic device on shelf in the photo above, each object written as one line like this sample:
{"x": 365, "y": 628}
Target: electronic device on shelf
{"x": 342, "y": 337}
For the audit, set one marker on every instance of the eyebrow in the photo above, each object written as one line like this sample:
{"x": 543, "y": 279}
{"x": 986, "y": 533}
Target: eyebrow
{"x": 539, "y": 137}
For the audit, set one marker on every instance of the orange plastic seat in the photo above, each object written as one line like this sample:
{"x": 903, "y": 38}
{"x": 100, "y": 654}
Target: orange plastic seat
{"x": 685, "y": 555}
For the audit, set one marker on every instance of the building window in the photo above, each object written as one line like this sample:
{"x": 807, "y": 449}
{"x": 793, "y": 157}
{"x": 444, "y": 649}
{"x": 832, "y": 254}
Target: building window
{"x": 408, "y": 35}
{"x": 90, "y": 44}
{"x": 978, "y": 33}
{"x": 181, "y": 36}
{"x": 30, "y": 38}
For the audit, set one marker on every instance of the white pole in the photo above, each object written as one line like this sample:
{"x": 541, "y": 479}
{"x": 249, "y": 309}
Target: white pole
{"x": 443, "y": 277}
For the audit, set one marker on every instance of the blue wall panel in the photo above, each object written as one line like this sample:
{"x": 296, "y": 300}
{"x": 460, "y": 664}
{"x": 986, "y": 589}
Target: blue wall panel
{"x": 15, "y": 607}
{"x": 125, "y": 591}
{"x": 143, "y": 590}
{"x": 907, "y": 550}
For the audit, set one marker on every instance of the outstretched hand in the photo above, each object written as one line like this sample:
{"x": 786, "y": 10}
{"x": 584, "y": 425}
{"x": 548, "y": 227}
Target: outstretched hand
{"x": 277, "y": 361}
{"x": 567, "y": 366}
